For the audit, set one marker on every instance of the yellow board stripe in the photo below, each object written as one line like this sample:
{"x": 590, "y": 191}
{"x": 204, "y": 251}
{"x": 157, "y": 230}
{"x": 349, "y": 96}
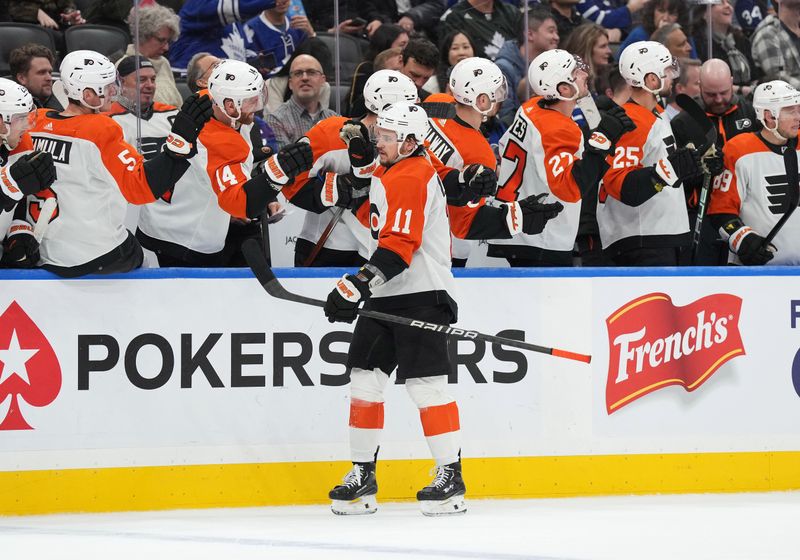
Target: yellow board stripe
{"x": 269, "y": 484}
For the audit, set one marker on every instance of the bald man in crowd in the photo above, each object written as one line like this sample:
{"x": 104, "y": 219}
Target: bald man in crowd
{"x": 731, "y": 115}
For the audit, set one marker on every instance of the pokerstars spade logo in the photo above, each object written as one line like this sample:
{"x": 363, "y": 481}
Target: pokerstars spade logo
{"x": 29, "y": 368}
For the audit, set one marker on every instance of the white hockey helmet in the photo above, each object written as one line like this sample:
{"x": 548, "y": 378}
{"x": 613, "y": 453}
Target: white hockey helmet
{"x": 81, "y": 70}
{"x": 385, "y": 87}
{"x": 774, "y": 96}
{"x": 16, "y": 108}
{"x": 474, "y": 76}
{"x": 404, "y": 119}
{"x": 647, "y": 57}
{"x": 552, "y": 68}
{"x": 239, "y": 82}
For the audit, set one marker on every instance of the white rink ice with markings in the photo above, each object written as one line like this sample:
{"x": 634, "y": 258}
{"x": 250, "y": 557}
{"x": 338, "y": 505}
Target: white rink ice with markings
{"x": 686, "y": 527}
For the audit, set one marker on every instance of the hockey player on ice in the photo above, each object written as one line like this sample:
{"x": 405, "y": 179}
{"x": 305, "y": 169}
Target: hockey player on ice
{"x": 22, "y": 172}
{"x": 408, "y": 273}
{"x": 98, "y": 171}
{"x": 544, "y": 153}
{"x": 753, "y": 192}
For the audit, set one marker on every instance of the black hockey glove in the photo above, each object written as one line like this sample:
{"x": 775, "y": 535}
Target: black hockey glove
{"x": 350, "y": 291}
{"x": 747, "y": 244}
{"x": 290, "y": 161}
{"x": 479, "y": 182}
{"x": 530, "y": 215}
{"x": 614, "y": 123}
{"x": 20, "y": 249}
{"x": 190, "y": 120}
{"x": 351, "y": 129}
{"x": 31, "y": 173}
{"x": 682, "y": 164}
{"x": 343, "y": 190}
{"x": 713, "y": 165}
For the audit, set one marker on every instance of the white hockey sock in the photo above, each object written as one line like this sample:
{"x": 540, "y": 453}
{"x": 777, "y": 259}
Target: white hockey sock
{"x": 366, "y": 413}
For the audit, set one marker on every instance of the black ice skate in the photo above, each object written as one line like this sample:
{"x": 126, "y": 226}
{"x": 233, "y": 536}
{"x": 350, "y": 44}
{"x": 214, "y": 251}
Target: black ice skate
{"x": 445, "y": 495}
{"x": 356, "y": 495}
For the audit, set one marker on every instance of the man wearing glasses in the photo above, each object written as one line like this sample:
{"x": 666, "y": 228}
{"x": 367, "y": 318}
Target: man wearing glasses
{"x": 303, "y": 110}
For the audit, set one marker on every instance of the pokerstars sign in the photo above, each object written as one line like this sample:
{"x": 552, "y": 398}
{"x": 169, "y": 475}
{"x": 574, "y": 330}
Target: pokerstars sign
{"x": 654, "y": 344}
{"x": 29, "y": 368}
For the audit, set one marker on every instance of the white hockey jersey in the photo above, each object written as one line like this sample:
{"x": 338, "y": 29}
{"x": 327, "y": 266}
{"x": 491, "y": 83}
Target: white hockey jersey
{"x": 330, "y": 155}
{"x": 753, "y": 186}
{"x": 189, "y": 215}
{"x": 98, "y": 174}
{"x": 408, "y": 215}
{"x": 662, "y": 221}
{"x": 539, "y": 150}
{"x": 7, "y": 157}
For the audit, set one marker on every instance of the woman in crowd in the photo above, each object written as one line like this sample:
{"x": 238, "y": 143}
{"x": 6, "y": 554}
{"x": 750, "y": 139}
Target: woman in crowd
{"x": 655, "y": 14}
{"x": 590, "y": 42}
{"x": 455, "y": 46}
{"x": 385, "y": 37}
{"x": 728, "y": 43}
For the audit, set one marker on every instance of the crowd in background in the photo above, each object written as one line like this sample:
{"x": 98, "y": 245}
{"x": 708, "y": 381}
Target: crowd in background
{"x": 290, "y": 43}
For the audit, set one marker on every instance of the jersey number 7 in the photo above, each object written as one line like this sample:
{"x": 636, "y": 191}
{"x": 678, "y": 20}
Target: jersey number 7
{"x": 516, "y": 154}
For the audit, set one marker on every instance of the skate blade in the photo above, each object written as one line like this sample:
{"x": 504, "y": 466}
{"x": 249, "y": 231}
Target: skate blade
{"x": 451, "y": 506}
{"x": 360, "y": 506}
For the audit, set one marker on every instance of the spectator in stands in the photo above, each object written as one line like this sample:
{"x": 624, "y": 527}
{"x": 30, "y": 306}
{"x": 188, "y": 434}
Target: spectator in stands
{"x": 489, "y": 23}
{"x": 655, "y": 14}
{"x": 303, "y": 109}
{"x": 671, "y": 35}
{"x": 728, "y": 43}
{"x": 158, "y": 29}
{"x": 456, "y": 46}
{"x": 385, "y": 37}
{"x": 731, "y": 115}
{"x": 688, "y": 83}
{"x": 32, "y": 66}
{"x": 278, "y": 86}
{"x": 513, "y": 60}
{"x": 54, "y": 15}
{"x": 414, "y": 16}
{"x": 390, "y": 59}
{"x": 776, "y": 44}
{"x": 614, "y": 15}
{"x": 567, "y": 18}
{"x": 420, "y": 58}
{"x": 199, "y": 70}
{"x": 274, "y": 37}
{"x": 214, "y": 26}
{"x": 613, "y": 86}
{"x": 590, "y": 42}
{"x": 750, "y": 13}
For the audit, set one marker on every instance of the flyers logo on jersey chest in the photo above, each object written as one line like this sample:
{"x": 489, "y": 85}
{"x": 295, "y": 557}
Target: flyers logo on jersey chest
{"x": 59, "y": 149}
{"x": 374, "y": 220}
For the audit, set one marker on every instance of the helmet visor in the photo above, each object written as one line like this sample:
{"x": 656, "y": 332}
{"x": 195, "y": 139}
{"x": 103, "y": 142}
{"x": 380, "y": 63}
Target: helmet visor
{"x": 673, "y": 70}
{"x": 23, "y": 121}
{"x": 255, "y": 103}
{"x": 501, "y": 93}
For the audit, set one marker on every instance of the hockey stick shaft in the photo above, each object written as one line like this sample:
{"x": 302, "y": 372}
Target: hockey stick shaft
{"x": 326, "y": 233}
{"x": 274, "y": 288}
{"x": 45, "y": 214}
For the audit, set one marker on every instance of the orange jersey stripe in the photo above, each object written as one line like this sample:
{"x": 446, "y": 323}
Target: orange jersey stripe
{"x": 442, "y": 419}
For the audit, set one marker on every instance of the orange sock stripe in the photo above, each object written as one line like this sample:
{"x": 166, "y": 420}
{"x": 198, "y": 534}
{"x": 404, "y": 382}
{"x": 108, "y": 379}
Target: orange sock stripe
{"x": 440, "y": 419}
{"x": 365, "y": 414}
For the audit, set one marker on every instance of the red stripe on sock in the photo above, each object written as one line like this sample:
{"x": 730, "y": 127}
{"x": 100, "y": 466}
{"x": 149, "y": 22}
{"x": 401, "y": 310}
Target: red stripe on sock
{"x": 440, "y": 419}
{"x": 365, "y": 414}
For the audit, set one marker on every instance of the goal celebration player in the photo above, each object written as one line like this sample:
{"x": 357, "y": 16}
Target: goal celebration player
{"x": 408, "y": 273}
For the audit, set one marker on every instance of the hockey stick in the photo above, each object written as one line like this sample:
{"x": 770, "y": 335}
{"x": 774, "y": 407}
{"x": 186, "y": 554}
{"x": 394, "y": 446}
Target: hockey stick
{"x": 45, "y": 214}
{"x": 326, "y": 233}
{"x": 274, "y": 288}
{"x": 790, "y": 164}
{"x": 709, "y": 138}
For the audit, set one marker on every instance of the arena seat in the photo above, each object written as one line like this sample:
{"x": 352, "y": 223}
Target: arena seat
{"x": 104, "y": 39}
{"x": 15, "y": 35}
{"x": 350, "y": 54}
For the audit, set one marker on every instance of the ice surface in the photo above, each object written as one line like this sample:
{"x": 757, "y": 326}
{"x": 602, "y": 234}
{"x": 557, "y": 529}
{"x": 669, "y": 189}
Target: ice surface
{"x": 686, "y": 527}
